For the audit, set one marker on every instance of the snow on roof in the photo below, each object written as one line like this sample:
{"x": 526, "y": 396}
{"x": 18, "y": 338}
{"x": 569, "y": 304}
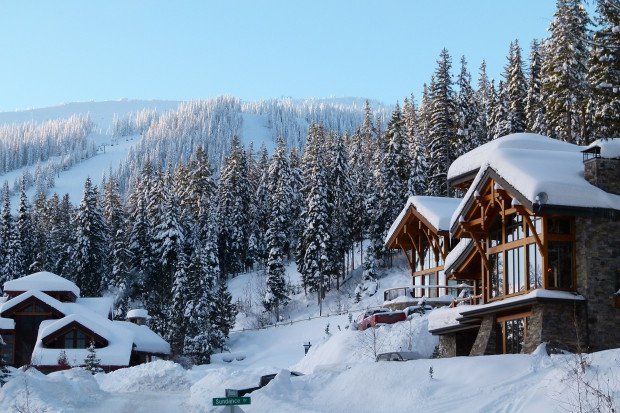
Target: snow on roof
{"x": 100, "y": 305}
{"x": 116, "y": 353}
{"x": 436, "y": 210}
{"x": 138, "y": 313}
{"x": 7, "y": 324}
{"x": 42, "y": 281}
{"x": 610, "y": 148}
{"x": 444, "y": 317}
{"x": 144, "y": 338}
{"x": 51, "y": 301}
{"x": 534, "y": 165}
{"x": 456, "y": 252}
{"x": 81, "y": 319}
{"x": 473, "y": 160}
{"x": 540, "y": 293}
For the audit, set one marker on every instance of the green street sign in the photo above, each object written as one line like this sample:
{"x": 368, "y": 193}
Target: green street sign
{"x": 230, "y": 401}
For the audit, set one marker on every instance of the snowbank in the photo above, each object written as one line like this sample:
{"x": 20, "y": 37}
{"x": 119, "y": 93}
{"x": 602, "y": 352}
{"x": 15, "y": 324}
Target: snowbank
{"x": 63, "y": 392}
{"x": 160, "y": 375}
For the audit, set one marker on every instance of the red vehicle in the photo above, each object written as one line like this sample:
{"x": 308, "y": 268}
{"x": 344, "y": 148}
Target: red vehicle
{"x": 370, "y": 318}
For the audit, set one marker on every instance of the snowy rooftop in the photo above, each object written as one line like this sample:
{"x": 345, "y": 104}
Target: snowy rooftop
{"x": 144, "y": 338}
{"x": 7, "y": 324}
{"x": 51, "y": 301}
{"x": 535, "y": 165}
{"x": 138, "y": 313}
{"x": 456, "y": 252}
{"x": 42, "y": 281}
{"x": 436, "y": 210}
{"x": 610, "y": 148}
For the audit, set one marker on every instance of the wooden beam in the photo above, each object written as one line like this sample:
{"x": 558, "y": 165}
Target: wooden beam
{"x": 478, "y": 245}
{"x": 407, "y": 256}
{"x": 521, "y": 211}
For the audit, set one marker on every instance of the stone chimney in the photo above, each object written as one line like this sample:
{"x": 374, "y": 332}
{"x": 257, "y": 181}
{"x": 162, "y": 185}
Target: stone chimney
{"x": 602, "y": 165}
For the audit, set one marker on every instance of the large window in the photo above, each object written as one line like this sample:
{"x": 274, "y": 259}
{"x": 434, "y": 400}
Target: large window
{"x": 560, "y": 271}
{"x": 512, "y": 335}
{"x": 515, "y": 271}
{"x": 534, "y": 266}
{"x": 497, "y": 274}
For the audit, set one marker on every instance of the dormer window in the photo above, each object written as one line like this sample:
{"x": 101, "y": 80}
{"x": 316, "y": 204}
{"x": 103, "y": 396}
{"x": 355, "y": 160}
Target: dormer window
{"x": 75, "y": 339}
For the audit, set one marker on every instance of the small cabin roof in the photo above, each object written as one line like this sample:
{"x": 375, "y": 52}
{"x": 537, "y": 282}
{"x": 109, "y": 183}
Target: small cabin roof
{"x": 436, "y": 210}
{"x": 41, "y": 281}
{"x": 604, "y": 148}
{"x": 138, "y": 313}
{"x": 44, "y": 298}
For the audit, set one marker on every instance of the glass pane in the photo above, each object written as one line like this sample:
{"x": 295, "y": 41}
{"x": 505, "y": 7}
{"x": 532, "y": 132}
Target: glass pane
{"x": 537, "y": 222}
{"x": 495, "y": 232}
{"x": 69, "y": 342}
{"x": 515, "y": 271}
{"x": 496, "y": 262}
{"x": 27, "y": 309}
{"x": 560, "y": 270}
{"x": 560, "y": 226}
{"x": 39, "y": 309}
{"x": 8, "y": 337}
{"x": 514, "y": 227}
{"x": 81, "y": 340}
{"x": 514, "y": 335}
{"x": 7, "y": 354}
{"x": 534, "y": 266}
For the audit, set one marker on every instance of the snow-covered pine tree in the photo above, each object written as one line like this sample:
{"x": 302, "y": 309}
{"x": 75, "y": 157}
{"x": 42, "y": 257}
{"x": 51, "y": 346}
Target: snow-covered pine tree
{"x": 442, "y": 126}
{"x": 467, "y": 114}
{"x": 565, "y": 88}
{"x": 516, "y": 89}
{"x": 499, "y": 113}
{"x": 24, "y": 228}
{"x": 223, "y": 314}
{"x": 234, "y": 200}
{"x": 278, "y": 180}
{"x": 180, "y": 297}
{"x": 10, "y": 241}
{"x": 340, "y": 197}
{"x": 316, "y": 228}
{"x": 604, "y": 71}
{"x": 91, "y": 362}
{"x": 534, "y": 106}
{"x": 91, "y": 243}
{"x": 483, "y": 94}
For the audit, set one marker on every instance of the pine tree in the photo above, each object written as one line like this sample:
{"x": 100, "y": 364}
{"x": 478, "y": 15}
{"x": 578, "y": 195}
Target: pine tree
{"x": 91, "y": 362}
{"x": 315, "y": 237}
{"x": 516, "y": 89}
{"x": 467, "y": 132}
{"x": 278, "y": 179}
{"x": 484, "y": 94}
{"x": 91, "y": 245}
{"x": 234, "y": 199}
{"x": 604, "y": 71}
{"x": 500, "y": 117}
{"x": 534, "y": 107}
{"x": 11, "y": 245}
{"x": 24, "y": 228}
{"x": 442, "y": 127}
{"x": 565, "y": 88}
{"x": 223, "y": 313}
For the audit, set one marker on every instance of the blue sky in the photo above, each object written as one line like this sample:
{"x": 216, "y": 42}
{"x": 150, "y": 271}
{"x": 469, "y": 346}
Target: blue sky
{"x": 66, "y": 51}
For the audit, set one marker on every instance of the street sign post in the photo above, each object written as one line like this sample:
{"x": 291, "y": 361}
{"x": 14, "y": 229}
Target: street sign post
{"x": 230, "y": 404}
{"x": 230, "y": 401}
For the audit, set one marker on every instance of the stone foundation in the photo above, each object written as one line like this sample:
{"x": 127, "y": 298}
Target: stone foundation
{"x": 456, "y": 344}
{"x": 561, "y": 325}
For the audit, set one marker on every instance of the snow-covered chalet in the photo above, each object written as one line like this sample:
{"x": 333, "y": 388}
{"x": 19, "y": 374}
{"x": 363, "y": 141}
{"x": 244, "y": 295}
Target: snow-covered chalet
{"x": 42, "y": 315}
{"x": 536, "y": 236}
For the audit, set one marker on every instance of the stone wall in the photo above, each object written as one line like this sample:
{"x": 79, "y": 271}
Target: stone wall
{"x": 598, "y": 262}
{"x": 604, "y": 173}
{"x": 456, "y": 344}
{"x": 561, "y": 325}
{"x": 486, "y": 341}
